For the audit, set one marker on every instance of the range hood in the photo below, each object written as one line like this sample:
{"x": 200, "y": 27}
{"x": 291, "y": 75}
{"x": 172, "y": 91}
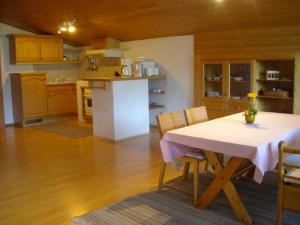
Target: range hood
{"x": 111, "y": 52}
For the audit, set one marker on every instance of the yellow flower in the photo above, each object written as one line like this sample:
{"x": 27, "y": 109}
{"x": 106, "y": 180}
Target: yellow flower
{"x": 252, "y": 95}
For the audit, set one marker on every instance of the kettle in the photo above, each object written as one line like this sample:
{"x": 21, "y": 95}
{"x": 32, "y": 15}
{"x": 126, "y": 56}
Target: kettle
{"x": 126, "y": 70}
{"x": 138, "y": 68}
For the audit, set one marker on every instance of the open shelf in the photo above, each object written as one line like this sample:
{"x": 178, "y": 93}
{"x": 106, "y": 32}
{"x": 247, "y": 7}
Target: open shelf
{"x": 157, "y": 77}
{"x": 214, "y": 81}
{"x": 154, "y": 94}
{"x": 241, "y": 81}
{"x": 283, "y": 80}
{"x": 274, "y": 97}
{"x": 156, "y": 106}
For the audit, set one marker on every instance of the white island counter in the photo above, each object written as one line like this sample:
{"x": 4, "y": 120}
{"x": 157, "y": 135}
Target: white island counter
{"x": 120, "y": 107}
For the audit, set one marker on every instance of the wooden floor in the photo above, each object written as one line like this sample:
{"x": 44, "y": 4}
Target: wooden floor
{"x": 46, "y": 178}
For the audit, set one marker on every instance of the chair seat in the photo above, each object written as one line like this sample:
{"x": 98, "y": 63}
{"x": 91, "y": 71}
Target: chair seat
{"x": 293, "y": 177}
{"x": 196, "y": 155}
{"x": 292, "y": 159}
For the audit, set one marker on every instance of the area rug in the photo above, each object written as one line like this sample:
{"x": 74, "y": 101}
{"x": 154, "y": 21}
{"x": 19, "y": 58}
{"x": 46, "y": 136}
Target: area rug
{"x": 173, "y": 206}
{"x": 67, "y": 129}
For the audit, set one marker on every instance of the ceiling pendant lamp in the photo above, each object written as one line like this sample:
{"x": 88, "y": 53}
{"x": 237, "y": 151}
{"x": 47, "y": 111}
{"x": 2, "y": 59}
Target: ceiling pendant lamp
{"x": 67, "y": 27}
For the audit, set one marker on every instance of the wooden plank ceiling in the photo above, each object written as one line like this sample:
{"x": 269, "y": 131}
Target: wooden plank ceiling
{"x": 141, "y": 19}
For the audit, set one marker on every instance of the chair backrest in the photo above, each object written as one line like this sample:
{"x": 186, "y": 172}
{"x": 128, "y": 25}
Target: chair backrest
{"x": 283, "y": 164}
{"x": 169, "y": 121}
{"x": 195, "y": 115}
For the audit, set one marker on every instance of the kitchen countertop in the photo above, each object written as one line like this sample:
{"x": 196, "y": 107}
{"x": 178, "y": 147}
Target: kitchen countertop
{"x": 62, "y": 83}
{"x": 112, "y": 78}
{"x": 121, "y": 78}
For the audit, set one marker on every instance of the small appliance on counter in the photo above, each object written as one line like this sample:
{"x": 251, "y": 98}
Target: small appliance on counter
{"x": 138, "y": 68}
{"x": 126, "y": 66}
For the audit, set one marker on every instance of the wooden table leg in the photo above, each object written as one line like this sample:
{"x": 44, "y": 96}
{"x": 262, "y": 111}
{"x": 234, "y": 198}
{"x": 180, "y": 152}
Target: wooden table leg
{"x": 222, "y": 181}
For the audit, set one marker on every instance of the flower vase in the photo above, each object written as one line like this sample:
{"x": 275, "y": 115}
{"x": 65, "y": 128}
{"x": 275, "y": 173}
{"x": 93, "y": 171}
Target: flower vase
{"x": 250, "y": 118}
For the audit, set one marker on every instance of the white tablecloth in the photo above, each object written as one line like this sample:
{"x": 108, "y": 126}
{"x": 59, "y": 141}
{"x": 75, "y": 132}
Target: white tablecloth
{"x": 231, "y": 136}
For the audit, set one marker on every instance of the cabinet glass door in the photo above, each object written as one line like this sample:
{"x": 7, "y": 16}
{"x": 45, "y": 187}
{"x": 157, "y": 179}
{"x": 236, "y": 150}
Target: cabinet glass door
{"x": 239, "y": 81}
{"x": 213, "y": 80}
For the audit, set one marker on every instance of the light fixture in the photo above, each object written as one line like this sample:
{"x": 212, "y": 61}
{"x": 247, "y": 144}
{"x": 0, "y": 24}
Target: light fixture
{"x": 67, "y": 26}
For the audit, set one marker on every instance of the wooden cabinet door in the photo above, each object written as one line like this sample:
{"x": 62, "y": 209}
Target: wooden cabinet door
{"x": 27, "y": 49}
{"x": 51, "y": 50}
{"x": 58, "y": 102}
{"x": 34, "y": 95}
{"x": 73, "y": 101}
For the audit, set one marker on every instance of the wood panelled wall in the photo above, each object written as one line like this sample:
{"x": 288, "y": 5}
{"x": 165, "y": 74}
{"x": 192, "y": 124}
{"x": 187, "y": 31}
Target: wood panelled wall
{"x": 267, "y": 43}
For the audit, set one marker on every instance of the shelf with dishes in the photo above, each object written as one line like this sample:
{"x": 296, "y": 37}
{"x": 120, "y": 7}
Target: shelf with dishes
{"x": 274, "y": 97}
{"x": 155, "y": 106}
{"x": 275, "y": 82}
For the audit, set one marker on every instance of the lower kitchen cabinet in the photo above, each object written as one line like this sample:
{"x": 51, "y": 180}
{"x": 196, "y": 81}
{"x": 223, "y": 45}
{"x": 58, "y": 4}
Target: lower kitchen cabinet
{"x": 34, "y": 100}
{"x": 73, "y": 100}
{"x": 61, "y": 99}
{"x": 28, "y": 96}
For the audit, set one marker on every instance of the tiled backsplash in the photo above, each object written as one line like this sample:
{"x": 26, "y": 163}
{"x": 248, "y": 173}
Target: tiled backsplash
{"x": 59, "y": 72}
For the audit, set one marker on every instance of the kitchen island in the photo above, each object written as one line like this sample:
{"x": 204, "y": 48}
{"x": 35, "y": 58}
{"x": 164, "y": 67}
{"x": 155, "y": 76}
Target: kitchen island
{"x": 120, "y": 107}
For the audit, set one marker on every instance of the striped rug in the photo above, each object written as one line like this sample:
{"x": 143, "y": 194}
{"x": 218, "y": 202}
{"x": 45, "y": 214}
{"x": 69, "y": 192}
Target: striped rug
{"x": 173, "y": 206}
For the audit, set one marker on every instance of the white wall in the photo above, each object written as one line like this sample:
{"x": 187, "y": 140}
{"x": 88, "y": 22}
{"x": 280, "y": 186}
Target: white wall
{"x": 7, "y": 68}
{"x": 175, "y": 57}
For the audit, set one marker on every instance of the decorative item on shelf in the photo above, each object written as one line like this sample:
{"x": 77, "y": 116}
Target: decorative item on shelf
{"x": 237, "y": 78}
{"x": 213, "y": 94}
{"x": 272, "y": 75}
{"x": 251, "y": 112}
{"x": 157, "y": 91}
{"x": 67, "y": 26}
{"x": 217, "y": 78}
{"x": 276, "y": 93}
{"x": 236, "y": 97}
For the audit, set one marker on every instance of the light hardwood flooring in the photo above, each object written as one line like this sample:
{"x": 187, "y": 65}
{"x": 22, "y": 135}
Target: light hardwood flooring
{"x": 46, "y": 178}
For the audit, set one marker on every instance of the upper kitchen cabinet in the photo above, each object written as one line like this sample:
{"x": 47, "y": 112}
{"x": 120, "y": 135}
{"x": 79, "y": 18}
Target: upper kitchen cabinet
{"x": 35, "y": 49}
{"x": 52, "y": 50}
{"x": 25, "y": 49}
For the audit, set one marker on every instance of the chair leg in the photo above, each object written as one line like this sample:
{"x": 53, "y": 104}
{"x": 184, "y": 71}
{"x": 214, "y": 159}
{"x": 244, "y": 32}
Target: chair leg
{"x": 279, "y": 206}
{"x": 196, "y": 181}
{"x": 186, "y": 170}
{"x": 161, "y": 176}
{"x": 206, "y": 165}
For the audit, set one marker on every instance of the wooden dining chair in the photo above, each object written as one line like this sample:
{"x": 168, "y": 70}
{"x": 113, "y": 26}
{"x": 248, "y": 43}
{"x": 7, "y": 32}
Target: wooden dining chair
{"x": 171, "y": 121}
{"x": 195, "y": 115}
{"x": 288, "y": 182}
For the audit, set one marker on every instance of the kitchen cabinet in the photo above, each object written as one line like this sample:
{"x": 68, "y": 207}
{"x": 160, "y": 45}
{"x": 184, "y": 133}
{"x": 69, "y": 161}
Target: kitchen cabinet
{"x": 222, "y": 86}
{"x": 73, "y": 101}
{"x": 58, "y": 100}
{"x": 29, "y": 96}
{"x": 35, "y": 49}
{"x": 61, "y": 99}
{"x": 51, "y": 50}
{"x": 27, "y": 49}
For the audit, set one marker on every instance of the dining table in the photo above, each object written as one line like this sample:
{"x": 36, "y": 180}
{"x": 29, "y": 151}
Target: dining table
{"x": 231, "y": 136}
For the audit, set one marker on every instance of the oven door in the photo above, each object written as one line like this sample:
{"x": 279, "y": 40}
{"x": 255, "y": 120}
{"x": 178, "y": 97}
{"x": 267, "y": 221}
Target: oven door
{"x": 88, "y": 105}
